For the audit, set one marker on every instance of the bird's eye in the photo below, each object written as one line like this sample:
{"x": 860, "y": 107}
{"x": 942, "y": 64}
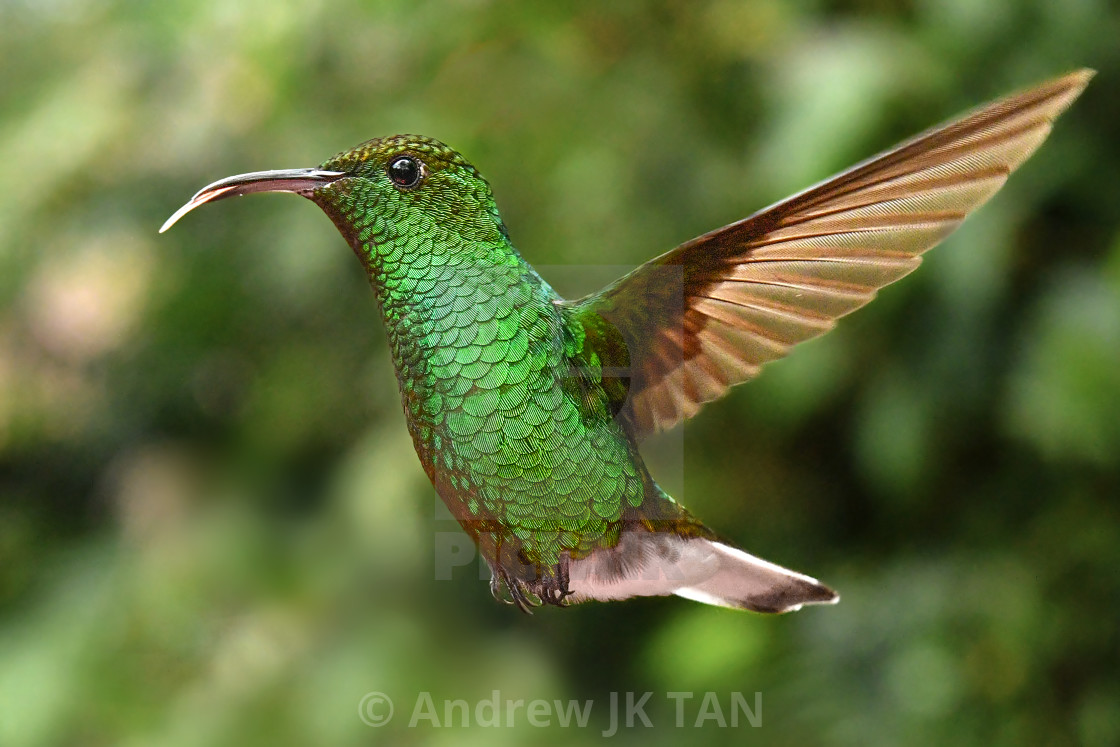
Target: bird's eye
{"x": 405, "y": 171}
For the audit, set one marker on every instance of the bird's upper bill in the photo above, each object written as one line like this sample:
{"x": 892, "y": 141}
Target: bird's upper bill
{"x": 298, "y": 181}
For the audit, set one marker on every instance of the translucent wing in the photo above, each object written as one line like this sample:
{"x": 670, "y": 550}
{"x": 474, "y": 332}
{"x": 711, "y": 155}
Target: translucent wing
{"x": 706, "y": 315}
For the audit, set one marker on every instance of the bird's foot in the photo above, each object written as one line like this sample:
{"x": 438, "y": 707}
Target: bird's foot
{"x": 548, "y": 587}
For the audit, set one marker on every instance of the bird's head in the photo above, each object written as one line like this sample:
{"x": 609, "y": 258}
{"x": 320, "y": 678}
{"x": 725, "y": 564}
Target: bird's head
{"x": 381, "y": 190}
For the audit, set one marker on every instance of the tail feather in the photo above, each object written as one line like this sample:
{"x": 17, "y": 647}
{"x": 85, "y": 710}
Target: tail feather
{"x": 747, "y": 582}
{"x": 660, "y": 563}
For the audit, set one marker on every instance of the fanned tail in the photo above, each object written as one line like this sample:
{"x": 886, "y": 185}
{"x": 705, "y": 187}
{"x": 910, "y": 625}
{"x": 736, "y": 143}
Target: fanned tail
{"x": 646, "y": 563}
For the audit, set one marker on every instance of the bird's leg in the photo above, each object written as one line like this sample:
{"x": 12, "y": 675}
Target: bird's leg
{"x": 514, "y": 579}
{"x": 508, "y": 589}
{"x": 551, "y": 585}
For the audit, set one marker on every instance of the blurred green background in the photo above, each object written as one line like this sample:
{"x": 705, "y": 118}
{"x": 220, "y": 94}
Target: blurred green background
{"x": 214, "y": 531}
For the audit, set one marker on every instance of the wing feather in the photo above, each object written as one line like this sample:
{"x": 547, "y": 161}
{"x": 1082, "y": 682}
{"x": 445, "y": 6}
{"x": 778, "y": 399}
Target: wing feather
{"x": 708, "y": 314}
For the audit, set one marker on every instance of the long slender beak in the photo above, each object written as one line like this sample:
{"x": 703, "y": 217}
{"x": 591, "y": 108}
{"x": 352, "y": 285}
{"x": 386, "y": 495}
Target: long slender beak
{"x": 299, "y": 181}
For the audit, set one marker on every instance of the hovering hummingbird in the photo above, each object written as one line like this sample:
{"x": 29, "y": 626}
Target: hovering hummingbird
{"x": 527, "y": 409}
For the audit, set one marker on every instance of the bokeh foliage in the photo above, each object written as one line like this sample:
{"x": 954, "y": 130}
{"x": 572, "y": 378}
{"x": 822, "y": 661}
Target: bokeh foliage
{"x": 212, "y": 526}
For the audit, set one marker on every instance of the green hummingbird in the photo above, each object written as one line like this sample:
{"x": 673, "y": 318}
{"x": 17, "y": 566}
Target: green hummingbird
{"x": 527, "y": 409}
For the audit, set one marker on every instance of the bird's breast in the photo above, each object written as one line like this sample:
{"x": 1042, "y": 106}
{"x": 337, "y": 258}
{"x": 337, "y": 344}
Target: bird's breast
{"x": 496, "y": 414}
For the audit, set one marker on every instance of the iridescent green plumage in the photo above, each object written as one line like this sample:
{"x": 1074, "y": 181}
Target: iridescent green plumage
{"x": 526, "y": 410}
{"x": 503, "y": 398}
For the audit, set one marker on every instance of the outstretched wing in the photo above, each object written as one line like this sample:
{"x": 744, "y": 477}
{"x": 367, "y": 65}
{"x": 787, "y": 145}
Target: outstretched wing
{"x": 706, "y": 315}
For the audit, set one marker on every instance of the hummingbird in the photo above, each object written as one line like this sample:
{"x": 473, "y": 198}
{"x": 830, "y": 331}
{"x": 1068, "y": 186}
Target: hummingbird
{"x": 527, "y": 409}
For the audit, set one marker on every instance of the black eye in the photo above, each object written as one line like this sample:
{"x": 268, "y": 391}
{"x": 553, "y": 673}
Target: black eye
{"x": 405, "y": 171}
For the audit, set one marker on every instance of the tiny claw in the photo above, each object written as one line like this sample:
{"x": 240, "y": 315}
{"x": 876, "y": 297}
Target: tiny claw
{"x": 512, "y": 591}
{"x": 523, "y": 601}
{"x": 496, "y": 589}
